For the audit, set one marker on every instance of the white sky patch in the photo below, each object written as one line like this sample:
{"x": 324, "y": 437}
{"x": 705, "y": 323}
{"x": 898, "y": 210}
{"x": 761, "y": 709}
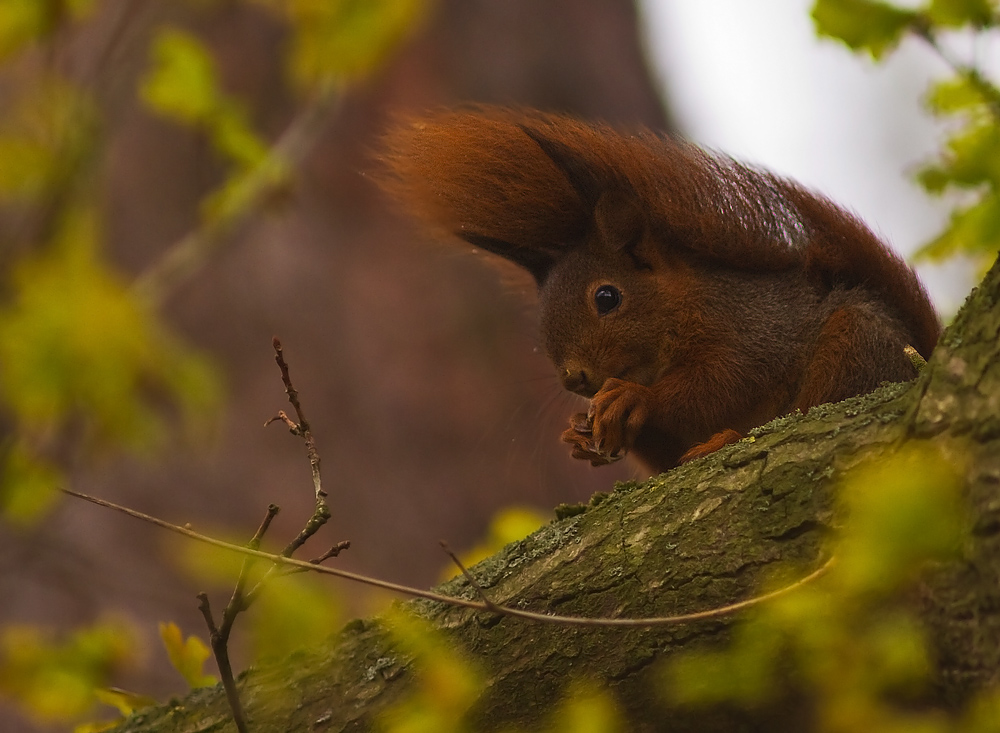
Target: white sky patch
{"x": 751, "y": 79}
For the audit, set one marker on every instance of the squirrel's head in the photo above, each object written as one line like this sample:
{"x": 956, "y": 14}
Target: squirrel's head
{"x": 559, "y": 198}
{"x": 605, "y": 303}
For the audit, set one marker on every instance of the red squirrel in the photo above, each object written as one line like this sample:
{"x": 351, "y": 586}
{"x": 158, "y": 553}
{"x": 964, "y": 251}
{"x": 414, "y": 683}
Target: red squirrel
{"x": 689, "y": 296}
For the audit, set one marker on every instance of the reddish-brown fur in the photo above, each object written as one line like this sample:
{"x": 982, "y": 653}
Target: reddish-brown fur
{"x": 689, "y": 296}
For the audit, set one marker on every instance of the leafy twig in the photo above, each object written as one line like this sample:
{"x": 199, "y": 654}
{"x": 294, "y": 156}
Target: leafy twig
{"x": 187, "y": 255}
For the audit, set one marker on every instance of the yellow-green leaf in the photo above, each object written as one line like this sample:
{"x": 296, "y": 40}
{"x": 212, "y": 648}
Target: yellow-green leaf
{"x": 52, "y": 678}
{"x": 183, "y": 85}
{"x": 446, "y": 683}
{"x": 346, "y": 39}
{"x": 956, "y": 13}
{"x": 903, "y": 509}
{"x": 973, "y": 231}
{"x": 509, "y": 525}
{"x": 98, "y": 727}
{"x": 23, "y": 22}
{"x": 124, "y": 701}
{"x": 292, "y": 613}
{"x": 864, "y": 25}
{"x": 183, "y": 82}
{"x": 587, "y": 709}
{"x": 953, "y": 95}
{"x": 188, "y": 656}
{"x": 28, "y": 485}
{"x": 44, "y": 132}
{"x": 76, "y": 343}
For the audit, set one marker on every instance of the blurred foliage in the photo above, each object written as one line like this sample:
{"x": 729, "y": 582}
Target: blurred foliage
{"x": 88, "y": 366}
{"x": 55, "y": 679}
{"x": 342, "y": 41}
{"x": 24, "y": 22}
{"x": 969, "y": 99}
{"x": 447, "y": 685}
{"x": 188, "y": 657}
{"x": 587, "y": 708}
{"x": 842, "y": 647}
{"x": 510, "y": 524}
{"x": 294, "y": 611}
{"x": 46, "y": 133}
{"x": 183, "y": 85}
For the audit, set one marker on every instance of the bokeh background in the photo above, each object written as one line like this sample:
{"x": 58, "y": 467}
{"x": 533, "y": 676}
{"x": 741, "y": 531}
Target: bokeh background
{"x": 431, "y": 402}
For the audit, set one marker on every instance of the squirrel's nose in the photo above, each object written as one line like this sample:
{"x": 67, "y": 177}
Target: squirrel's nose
{"x": 577, "y": 380}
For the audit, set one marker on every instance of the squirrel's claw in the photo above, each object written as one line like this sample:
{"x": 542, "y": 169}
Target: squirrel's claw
{"x": 580, "y": 436}
{"x": 618, "y": 411}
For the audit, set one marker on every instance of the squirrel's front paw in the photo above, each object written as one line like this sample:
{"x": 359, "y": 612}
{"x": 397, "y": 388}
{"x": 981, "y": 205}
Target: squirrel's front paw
{"x": 618, "y": 412}
{"x": 580, "y": 435}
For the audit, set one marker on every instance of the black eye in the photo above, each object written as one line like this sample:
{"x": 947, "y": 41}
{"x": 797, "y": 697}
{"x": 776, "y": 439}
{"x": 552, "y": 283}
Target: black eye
{"x": 607, "y": 298}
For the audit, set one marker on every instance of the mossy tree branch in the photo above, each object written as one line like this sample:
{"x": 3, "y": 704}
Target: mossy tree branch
{"x": 706, "y": 534}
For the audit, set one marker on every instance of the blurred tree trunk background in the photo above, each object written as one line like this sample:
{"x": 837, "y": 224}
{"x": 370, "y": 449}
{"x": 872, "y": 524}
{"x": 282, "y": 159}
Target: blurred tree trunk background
{"x": 432, "y": 405}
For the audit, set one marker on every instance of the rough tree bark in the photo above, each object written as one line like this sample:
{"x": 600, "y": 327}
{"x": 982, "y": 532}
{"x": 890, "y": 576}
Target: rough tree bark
{"x": 700, "y": 536}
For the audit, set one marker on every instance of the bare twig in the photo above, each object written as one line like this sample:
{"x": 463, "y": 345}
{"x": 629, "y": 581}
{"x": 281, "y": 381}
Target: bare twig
{"x": 219, "y": 635}
{"x": 461, "y": 602}
{"x": 242, "y": 599}
{"x": 468, "y": 576}
{"x": 220, "y": 648}
{"x": 321, "y": 512}
{"x": 238, "y": 602}
{"x": 302, "y": 427}
{"x": 332, "y": 552}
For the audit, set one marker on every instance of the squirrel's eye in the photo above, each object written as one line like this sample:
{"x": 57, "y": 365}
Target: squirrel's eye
{"x": 607, "y": 298}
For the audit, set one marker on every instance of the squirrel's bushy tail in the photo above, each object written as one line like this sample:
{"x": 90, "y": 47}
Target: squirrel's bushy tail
{"x": 479, "y": 175}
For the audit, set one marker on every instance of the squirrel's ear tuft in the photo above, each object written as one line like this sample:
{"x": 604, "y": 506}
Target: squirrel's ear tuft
{"x": 619, "y": 219}
{"x": 581, "y": 176}
{"x": 479, "y": 176}
{"x": 537, "y": 261}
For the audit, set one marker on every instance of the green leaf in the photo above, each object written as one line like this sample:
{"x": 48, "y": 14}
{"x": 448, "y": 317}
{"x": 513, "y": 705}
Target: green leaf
{"x": 124, "y": 701}
{"x": 292, "y": 613}
{"x": 183, "y": 85}
{"x": 183, "y": 82}
{"x": 28, "y": 485}
{"x": 54, "y": 679}
{"x": 864, "y": 25}
{"x": 904, "y": 508}
{"x": 955, "y": 95}
{"x": 933, "y": 178}
{"x": 188, "y": 656}
{"x": 344, "y": 40}
{"x": 956, "y": 13}
{"x": 23, "y": 22}
{"x": 973, "y": 231}
{"x": 44, "y": 133}
{"x": 446, "y": 684}
{"x": 233, "y": 137}
{"x": 76, "y": 344}
{"x": 972, "y": 159}
{"x": 746, "y": 672}
{"x": 243, "y": 189}
{"x": 508, "y": 525}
